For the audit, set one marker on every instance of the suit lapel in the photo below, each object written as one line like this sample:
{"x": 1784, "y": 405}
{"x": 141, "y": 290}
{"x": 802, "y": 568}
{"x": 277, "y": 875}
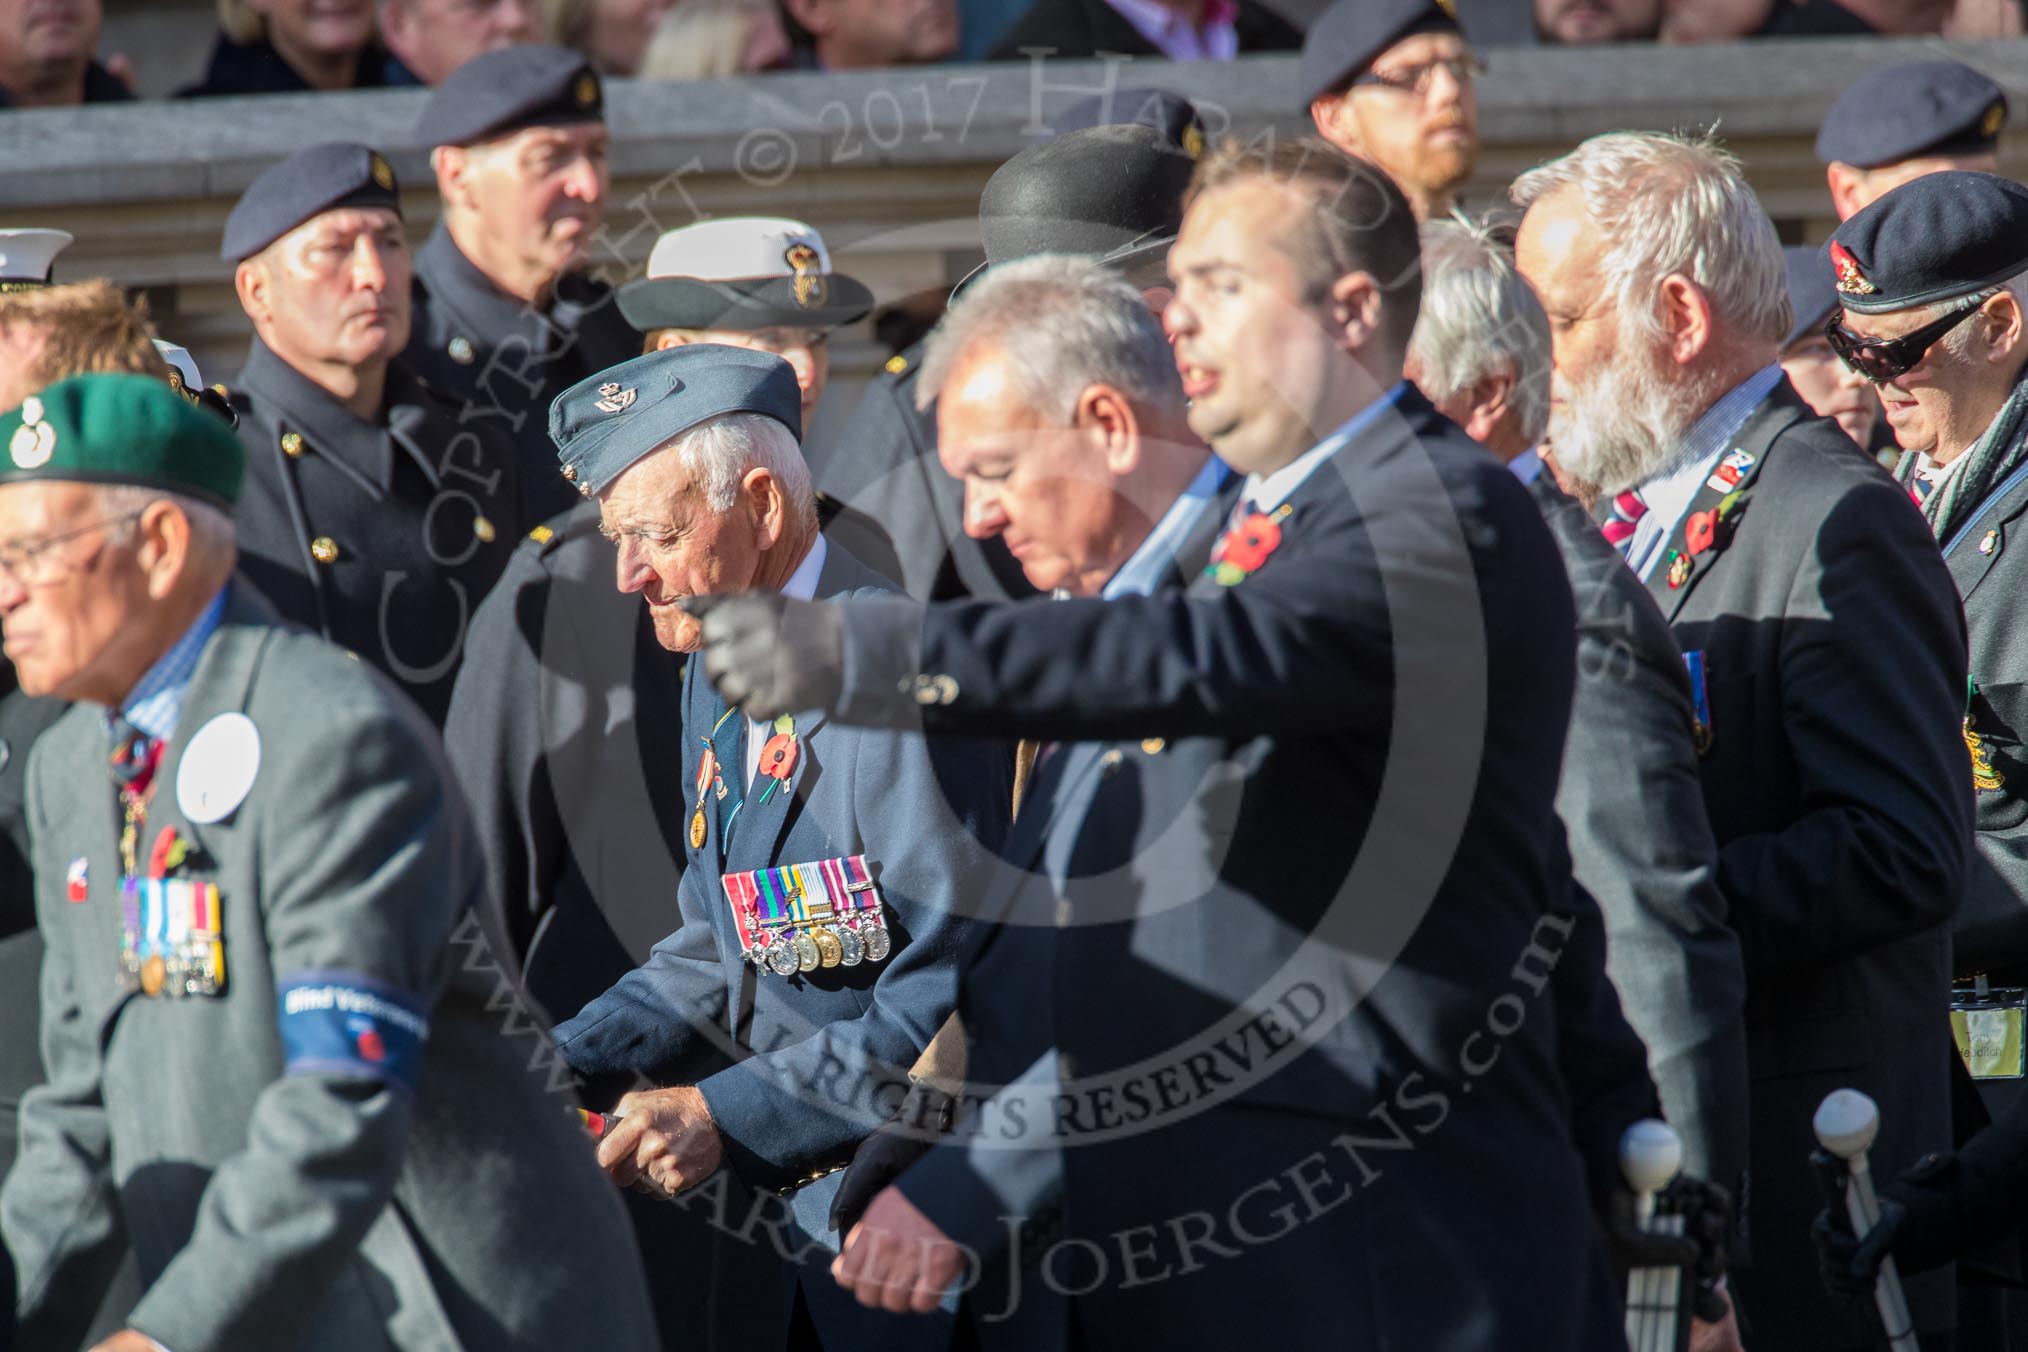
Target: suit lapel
{"x": 1972, "y": 555}
{"x": 1721, "y": 502}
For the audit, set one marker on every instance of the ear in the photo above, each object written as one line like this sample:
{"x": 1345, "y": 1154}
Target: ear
{"x": 450, "y": 164}
{"x": 1355, "y": 310}
{"x": 1686, "y": 317}
{"x": 2004, "y": 326}
{"x": 1491, "y": 397}
{"x": 250, "y": 283}
{"x": 1332, "y": 117}
{"x": 669, "y": 338}
{"x": 1847, "y": 188}
{"x": 164, "y": 547}
{"x": 1106, "y": 417}
{"x": 769, "y": 505}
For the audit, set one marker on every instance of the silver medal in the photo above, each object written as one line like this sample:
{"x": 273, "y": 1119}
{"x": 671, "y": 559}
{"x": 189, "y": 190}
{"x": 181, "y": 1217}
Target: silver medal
{"x": 878, "y": 945}
{"x": 782, "y": 959}
{"x": 852, "y": 950}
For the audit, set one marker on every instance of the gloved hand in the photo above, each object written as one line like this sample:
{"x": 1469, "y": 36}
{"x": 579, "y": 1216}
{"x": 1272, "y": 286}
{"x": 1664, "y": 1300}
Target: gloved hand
{"x": 1702, "y": 1250}
{"x": 770, "y": 655}
{"x": 1918, "y": 1228}
{"x": 925, "y": 1112}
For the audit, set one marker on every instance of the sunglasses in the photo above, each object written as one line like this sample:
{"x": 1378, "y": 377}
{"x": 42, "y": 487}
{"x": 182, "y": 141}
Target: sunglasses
{"x": 1882, "y": 359}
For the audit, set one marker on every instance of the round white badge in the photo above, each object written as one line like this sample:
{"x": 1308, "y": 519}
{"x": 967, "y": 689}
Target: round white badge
{"x": 218, "y": 768}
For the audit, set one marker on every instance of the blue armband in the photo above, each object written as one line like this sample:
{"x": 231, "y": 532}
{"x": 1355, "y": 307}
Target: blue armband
{"x": 348, "y": 1024}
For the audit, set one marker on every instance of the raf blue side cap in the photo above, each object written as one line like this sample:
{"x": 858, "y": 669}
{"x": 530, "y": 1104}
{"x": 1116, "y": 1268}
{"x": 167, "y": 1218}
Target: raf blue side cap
{"x": 312, "y": 181}
{"x": 1346, "y": 37}
{"x": 604, "y": 424}
{"x": 1932, "y": 239}
{"x": 503, "y": 91}
{"x": 1914, "y": 108}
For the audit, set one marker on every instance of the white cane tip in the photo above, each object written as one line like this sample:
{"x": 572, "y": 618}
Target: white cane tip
{"x": 1650, "y": 1155}
{"x": 1846, "y": 1123}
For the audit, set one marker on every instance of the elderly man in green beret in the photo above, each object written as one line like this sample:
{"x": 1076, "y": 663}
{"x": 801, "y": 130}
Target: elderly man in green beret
{"x": 276, "y": 1067}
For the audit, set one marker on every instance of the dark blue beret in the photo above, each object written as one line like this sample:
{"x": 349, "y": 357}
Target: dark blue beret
{"x": 1933, "y": 238}
{"x": 500, "y": 92}
{"x": 1813, "y": 290}
{"x": 1898, "y": 112}
{"x": 1171, "y": 116}
{"x": 1346, "y": 37}
{"x": 603, "y": 424}
{"x": 308, "y": 183}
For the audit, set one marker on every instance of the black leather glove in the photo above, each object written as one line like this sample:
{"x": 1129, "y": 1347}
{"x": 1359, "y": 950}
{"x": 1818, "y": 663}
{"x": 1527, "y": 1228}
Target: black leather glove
{"x": 1701, "y": 1251}
{"x": 770, "y": 655}
{"x": 1918, "y": 1228}
{"x": 924, "y": 1114}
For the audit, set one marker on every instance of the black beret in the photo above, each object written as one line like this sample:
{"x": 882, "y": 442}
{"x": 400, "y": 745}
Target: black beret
{"x": 313, "y": 180}
{"x": 1173, "y": 116}
{"x": 606, "y": 422}
{"x": 1813, "y": 290}
{"x": 1346, "y": 37}
{"x": 1901, "y": 111}
{"x": 503, "y": 91}
{"x": 1933, "y": 238}
{"x": 1113, "y": 193}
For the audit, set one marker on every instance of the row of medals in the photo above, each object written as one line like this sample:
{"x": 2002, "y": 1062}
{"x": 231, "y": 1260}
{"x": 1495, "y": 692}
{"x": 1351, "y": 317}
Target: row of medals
{"x": 180, "y": 973}
{"x": 790, "y": 950}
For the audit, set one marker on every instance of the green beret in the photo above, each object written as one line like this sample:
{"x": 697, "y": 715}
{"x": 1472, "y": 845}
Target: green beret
{"x": 122, "y": 429}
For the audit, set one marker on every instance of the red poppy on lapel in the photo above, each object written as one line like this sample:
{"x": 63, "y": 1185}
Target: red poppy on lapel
{"x": 1244, "y": 548}
{"x": 1700, "y": 531}
{"x": 778, "y": 756}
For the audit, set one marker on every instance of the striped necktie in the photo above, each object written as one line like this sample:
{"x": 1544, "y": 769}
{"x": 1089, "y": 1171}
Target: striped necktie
{"x": 1627, "y": 510}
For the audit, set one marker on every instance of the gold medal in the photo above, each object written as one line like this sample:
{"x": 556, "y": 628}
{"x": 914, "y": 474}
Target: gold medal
{"x": 697, "y": 829}
{"x": 153, "y": 973}
{"x": 829, "y": 951}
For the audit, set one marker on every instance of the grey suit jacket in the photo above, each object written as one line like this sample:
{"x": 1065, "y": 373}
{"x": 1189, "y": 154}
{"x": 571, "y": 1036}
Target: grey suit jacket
{"x": 321, "y": 1204}
{"x": 1641, "y": 845}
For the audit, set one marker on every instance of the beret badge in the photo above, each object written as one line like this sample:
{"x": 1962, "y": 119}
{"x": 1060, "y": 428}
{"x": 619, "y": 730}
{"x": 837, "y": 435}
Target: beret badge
{"x": 587, "y": 90}
{"x": 809, "y": 277}
{"x": 1989, "y": 125}
{"x": 1852, "y": 280}
{"x": 35, "y": 440}
{"x": 383, "y": 173}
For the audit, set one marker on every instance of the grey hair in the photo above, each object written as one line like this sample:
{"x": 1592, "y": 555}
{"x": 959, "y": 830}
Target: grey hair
{"x": 1480, "y": 318}
{"x": 210, "y": 525}
{"x": 719, "y": 452}
{"x": 1673, "y": 204}
{"x": 1064, "y": 323}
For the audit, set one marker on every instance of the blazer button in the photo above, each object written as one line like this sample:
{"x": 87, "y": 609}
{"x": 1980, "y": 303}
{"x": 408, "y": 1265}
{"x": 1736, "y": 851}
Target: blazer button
{"x": 292, "y": 445}
{"x": 1109, "y": 764}
{"x": 461, "y": 350}
{"x": 946, "y": 689}
{"x": 324, "y": 549}
{"x": 1153, "y": 746}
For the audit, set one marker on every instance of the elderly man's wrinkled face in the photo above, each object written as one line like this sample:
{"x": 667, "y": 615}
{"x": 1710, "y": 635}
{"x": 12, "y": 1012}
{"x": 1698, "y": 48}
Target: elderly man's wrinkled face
{"x": 435, "y": 37}
{"x": 69, "y": 587}
{"x": 672, "y": 544}
{"x": 1618, "y": 406}
{"x": 539, "y": 195}
{"x": 1943, "y": 404}
{"x": 1046, "y": 488}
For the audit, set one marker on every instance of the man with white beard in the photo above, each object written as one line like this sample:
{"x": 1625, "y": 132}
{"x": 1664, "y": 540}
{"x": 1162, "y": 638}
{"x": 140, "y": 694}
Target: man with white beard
{"x": 1826, "y": 655}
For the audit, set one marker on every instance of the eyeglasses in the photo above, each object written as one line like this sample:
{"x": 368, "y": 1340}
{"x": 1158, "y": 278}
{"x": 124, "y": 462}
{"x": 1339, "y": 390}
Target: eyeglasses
{"x": 32, "y": 565}
{"x": 1415, "y": 79}
{"x": 1882, "y": 359}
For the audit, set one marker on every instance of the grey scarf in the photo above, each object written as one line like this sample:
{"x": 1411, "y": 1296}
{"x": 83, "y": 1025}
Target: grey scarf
{"x": 1998, "y": 453}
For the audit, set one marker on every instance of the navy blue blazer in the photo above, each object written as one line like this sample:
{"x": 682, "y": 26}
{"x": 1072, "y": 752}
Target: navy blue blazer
{"x": 1290, "y": 932}
{"x": 821, "y": 1058}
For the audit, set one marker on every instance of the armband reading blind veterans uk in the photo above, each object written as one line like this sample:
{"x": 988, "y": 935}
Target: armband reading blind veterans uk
{"x": 347, "y": 1023}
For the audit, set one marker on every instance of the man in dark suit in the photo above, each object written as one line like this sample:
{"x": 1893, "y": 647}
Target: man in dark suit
{"x": 371, "y": 516}
{"x": 1826, "y": 660}
{"x": 505, "y": 316}
{"x": 822, "y": 905}
{"x": 1181, "y": 30}
{"x": 277, "y": 1067}
{"x": 1107, "y": 190}
{"x": 1233, "y": 1024}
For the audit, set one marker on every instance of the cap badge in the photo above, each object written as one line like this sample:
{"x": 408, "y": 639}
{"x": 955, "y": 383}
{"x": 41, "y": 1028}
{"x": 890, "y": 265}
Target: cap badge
{"x": 1851, "y": 281}
{"x": 613, "y": 399}
{"x": 35, "y": 440}
{"x": 1193, "y": 141}
{"x": 382, "y": 172}
{"x": 1989, "y": 125}
{"x": 809, "y": 274}
{"x": 587, "y": 90}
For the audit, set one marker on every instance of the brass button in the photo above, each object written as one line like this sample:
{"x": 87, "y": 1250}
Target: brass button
{"x": 292, "y": 445}
{"x": 925, "y": 691}
{"x": 483, "y": 528}
{"x": 324, "y": 549}
{"x": 461, "y": 350}
{"x": 570, "y": 473}
{"x": 946, "y": 689}
{"x": 1153, "y": 746}
{"x": 1109, "y": 764}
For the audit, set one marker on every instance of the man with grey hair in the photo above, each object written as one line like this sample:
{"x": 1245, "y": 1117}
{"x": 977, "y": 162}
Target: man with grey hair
{"x": 1825, "y": 656}
{"x": 822, "y": 895}
{"x": 1060, "y": 410}
{"x": 1480, "y": 352}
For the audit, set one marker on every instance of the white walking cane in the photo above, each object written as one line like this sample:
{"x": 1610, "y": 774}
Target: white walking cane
{"x": 1650, "y": 1156}
{"x": 1846, "y": 1123}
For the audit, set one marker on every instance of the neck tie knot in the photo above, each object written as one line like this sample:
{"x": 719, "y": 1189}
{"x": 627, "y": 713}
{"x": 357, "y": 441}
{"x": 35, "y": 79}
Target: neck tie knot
{"x": 1627, "y": 510}
{"x": 135, "y": 755}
